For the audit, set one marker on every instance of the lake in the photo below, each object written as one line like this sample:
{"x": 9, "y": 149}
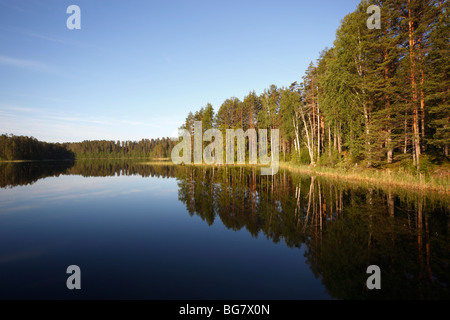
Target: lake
{"x": 182, "y": 232}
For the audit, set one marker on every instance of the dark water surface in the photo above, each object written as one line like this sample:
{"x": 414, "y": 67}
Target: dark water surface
{"x": 166, "y": 232}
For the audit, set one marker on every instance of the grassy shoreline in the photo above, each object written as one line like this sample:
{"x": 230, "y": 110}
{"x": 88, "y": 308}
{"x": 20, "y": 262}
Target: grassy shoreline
{"x": 397, "y": 178}
{"x": 387, "y": 177}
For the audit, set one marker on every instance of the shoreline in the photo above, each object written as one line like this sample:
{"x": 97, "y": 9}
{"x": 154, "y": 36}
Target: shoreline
{"x": 387, "y": 178}
{"x": 379, "y": 177}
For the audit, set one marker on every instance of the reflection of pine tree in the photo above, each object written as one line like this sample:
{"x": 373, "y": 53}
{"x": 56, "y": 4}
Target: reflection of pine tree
{"x": 344, "y": 229}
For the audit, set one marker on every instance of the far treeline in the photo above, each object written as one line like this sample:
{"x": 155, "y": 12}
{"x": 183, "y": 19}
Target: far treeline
{"x": 29, "y": 148}
{"x": 378, "y": 96}
{"x": 145, "y": 148}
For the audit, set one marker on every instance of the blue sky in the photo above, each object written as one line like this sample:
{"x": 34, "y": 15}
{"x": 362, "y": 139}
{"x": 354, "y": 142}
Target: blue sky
{"x": 136, "y": 68}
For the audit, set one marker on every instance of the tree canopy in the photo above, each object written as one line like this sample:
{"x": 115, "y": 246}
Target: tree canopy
{"x": 376, "y": 97}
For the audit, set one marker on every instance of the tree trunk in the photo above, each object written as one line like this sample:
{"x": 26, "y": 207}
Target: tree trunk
{"x": 329, "y": 140}
{"x": 422, "y": 110}
{"x": 335, "y": 138}
{"x": 389, "y": 154}
{"x": 405, "y": 148}
{"x": 318, "y": 134}
{"x": 412, "y": 43}
{"x": 339, "y": 139}
{"x": 310, "y": 142}
{"x": 297, "y": 141}
{"x": 313, "y": 113}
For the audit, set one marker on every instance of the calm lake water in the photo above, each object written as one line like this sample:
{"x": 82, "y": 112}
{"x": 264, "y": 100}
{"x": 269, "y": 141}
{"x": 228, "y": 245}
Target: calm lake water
{"x": 166, "y": 232}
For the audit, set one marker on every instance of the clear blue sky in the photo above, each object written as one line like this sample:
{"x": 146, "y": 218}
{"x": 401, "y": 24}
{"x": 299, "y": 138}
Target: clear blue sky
{"x": 136, "y": 68}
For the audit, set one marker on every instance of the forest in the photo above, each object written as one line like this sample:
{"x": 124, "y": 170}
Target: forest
{"x": 29, "y": 148}
{"x": 376, "y": 98}
{"x": 145, "y": 148}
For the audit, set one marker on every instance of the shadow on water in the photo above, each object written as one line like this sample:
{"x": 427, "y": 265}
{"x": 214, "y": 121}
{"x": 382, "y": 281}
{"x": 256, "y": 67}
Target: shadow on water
{"x": 344, "y": 228}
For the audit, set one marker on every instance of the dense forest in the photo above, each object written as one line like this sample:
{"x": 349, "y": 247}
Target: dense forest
{"x": 145, "y": 148}
{"x": 377, "y": 97}
{"x": 28, "y": 148}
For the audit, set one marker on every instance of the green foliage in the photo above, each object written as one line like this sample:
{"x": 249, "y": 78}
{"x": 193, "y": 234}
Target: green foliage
{"x": 29, "y": 148}
{"x": 303, "y": 158}
{"x": 145, "y": 148}
{"x": 426, "y": 164}
{"x": 408, "y": 166}
{"x": 372, "y": 99}
{"x": 26, "y": 148}
{"x": 330, "y": 159}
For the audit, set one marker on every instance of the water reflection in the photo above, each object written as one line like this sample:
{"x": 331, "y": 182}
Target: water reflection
{"x": 25, "y": 173}
{"x": 345, "y": 229}
{"x": 342, "y": 227}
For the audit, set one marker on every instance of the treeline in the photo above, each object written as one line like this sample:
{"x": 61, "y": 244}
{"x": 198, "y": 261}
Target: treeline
{"x": 376, "y": 97}
{"x": 145, "y": 148}
{"x": 29, "y": 148}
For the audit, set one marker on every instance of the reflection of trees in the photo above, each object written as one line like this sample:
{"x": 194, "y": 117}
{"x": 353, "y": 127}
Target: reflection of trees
{"x": 241, "y": 198}
{"x": 16, "y": 174}
{"x": 397, "y": 239}
{"x": 120, "y": 167}
{"x": 19, "y": 174}
{"x": 345, "y": 229}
